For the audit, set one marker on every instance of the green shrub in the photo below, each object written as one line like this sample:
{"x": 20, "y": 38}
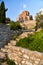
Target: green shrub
{"x": 41, "y": 24}
{"x": 39, "y": 20}
{"x": 10, "y": 62}
{"x": 15, "y": 26}
{"x": 32, "y": 42}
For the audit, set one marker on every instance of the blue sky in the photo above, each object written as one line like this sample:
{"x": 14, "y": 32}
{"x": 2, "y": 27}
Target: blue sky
{"x": 15, "y": 7}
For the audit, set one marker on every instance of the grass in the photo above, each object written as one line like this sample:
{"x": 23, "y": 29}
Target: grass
{"x": 32, "y": 42}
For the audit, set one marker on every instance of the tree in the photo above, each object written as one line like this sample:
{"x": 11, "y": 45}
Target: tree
{"x": 8, "y": 20}
{"x": 0, "y": 13}
{"x": 31, "y": 18}
{"x": 3, "y": 12}
{"x": 39, "y": 20}
{"x": 41, "y": 24}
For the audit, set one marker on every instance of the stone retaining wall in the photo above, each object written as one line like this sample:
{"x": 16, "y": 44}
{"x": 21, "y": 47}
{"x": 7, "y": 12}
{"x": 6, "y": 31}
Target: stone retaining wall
{"x": 23, "y": 56}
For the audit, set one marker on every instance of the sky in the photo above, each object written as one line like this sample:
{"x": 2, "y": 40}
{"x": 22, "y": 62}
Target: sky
{"x": 15, "y": 7}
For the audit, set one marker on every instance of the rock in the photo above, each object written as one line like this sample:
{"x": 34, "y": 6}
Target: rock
{"x": 36, "y": 62}
{"x": 41, "y": 62}
{"x": 12, "y": 42}
{"x": 23, "y": 62}
{"x": 3, "y": 49}
{"x": 28, "y": 63}
{"x": 4, "y": 63}
{"x": 2, "y": 56}
{"x": 25, "y": 56}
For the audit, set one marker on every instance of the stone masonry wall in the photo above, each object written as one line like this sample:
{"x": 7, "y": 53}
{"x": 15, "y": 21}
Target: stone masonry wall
{"x": 22, "y": 56}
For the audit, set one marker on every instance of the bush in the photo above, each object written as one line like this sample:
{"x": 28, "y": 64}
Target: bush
{"x": 15, "y": 26}
{"x": 32, "y": 42}
{"x": 39, "y": 21}
{"x": 41, "y": 24}
{"x": 10, "y": 62}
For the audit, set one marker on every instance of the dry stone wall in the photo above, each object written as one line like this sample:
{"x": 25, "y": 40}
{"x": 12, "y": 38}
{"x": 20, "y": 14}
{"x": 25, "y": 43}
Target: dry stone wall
{"x": 22, "y": 56}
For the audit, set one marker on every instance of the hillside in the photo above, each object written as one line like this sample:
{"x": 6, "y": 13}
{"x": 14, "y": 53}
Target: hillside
{"x": 28, "y": 24}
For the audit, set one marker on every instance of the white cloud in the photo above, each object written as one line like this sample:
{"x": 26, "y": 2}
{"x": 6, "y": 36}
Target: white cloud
{"x": 24, "y": 6}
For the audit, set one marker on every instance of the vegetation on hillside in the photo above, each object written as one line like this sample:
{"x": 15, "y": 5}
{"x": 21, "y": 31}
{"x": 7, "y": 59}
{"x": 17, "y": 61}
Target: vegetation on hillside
{"x": 15, "y": 26}
{"x": 39, "y": 19}
{"x": 32, "y": 42}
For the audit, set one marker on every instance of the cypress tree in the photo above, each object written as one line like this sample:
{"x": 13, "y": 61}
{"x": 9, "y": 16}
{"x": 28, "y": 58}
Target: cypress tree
{"x": 3, "y": 12}
{"x": 0, "y": 13}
